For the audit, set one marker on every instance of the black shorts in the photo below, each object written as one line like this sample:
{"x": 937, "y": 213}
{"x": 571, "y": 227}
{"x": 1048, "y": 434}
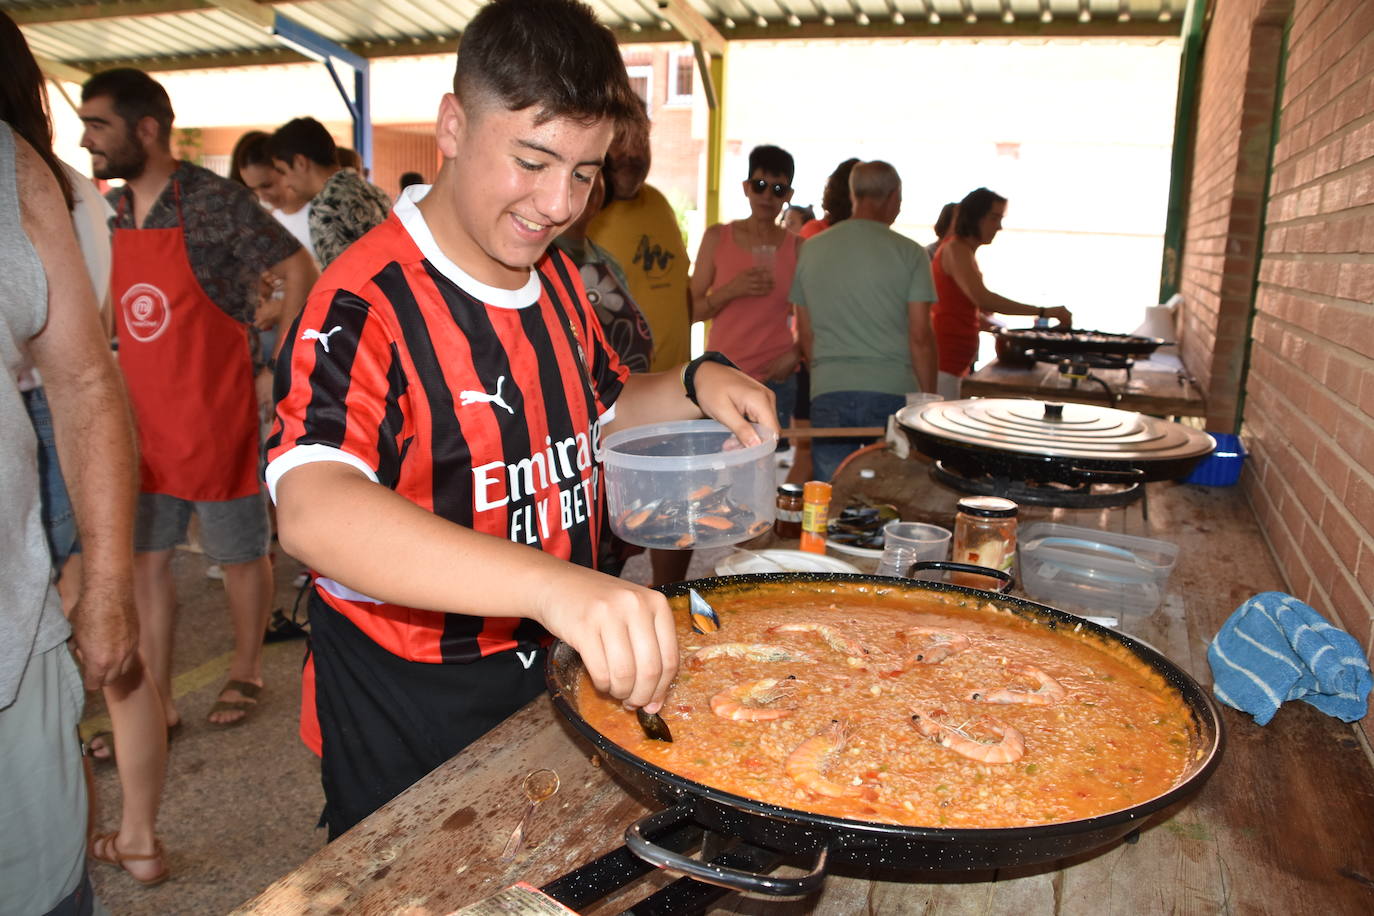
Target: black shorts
{"x": 386, "y": 722}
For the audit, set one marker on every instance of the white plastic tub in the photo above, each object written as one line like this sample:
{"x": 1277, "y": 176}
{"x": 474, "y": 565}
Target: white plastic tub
{"x": 688, "y": 484}
{"x": 1094, "y": 572}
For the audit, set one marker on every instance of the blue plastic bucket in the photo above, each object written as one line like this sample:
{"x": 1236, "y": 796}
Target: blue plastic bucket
{"x": 1222, "y": 467}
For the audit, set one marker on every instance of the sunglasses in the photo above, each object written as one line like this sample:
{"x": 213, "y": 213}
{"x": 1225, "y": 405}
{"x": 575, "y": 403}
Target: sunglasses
{"x": 759, "y": 185}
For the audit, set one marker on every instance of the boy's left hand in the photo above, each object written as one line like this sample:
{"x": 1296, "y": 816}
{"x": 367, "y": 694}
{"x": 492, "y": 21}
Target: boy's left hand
{"x": 735, "y": 400}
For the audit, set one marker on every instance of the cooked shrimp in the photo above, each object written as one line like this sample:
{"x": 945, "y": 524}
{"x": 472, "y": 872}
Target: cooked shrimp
{"x": 749, "y": 702}
{"x": 804, "y": 764}
{"x": 756, "y": 652}
{"x": 833, "y": 637}
{"x": 1048, "y": 693}
{"x": 940, "y": 644}
{"x": 1009, "y": 749}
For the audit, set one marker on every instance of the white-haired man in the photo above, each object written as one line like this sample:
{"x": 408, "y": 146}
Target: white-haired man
{"x": 863, "y": 294}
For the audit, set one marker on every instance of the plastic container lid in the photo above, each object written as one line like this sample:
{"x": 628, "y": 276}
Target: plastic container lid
{"x": 1085, "y": 569}
{"x": 816, "y": 491}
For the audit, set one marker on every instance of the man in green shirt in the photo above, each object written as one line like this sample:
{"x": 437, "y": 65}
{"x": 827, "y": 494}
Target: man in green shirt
{"x": 863, "y": 295}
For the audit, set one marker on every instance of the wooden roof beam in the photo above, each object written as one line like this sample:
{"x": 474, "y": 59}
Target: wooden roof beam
{"x": 258, "y": 15}
{"x": 57, "y": 71}
{"x": 50, "y": 15}
{"x": 692, "y": 26}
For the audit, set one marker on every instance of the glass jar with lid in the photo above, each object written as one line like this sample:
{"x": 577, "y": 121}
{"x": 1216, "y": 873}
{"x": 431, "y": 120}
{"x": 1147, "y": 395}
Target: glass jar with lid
{"x": 787, "y": 523}
{"x": 985, "y": 532}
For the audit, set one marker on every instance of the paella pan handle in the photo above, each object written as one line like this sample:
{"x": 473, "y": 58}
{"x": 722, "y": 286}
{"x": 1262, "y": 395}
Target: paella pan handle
{"x": 636, "y": 838}
{"x": 1003, "y": 577}
{"x": 1126, "y": 475}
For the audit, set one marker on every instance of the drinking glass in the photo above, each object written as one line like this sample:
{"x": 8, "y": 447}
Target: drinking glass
{"x": 905, "y": 543}
{"x": 765, "y": 256}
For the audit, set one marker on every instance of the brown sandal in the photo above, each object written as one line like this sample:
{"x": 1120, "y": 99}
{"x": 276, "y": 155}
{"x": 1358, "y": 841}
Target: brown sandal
{"x": 108, "y": 842}
{"x": 248, "y": 691}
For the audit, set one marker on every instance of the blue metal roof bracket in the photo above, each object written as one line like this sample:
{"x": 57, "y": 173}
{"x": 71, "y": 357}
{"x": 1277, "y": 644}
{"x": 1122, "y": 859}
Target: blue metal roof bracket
{"x": 315, "y": 46}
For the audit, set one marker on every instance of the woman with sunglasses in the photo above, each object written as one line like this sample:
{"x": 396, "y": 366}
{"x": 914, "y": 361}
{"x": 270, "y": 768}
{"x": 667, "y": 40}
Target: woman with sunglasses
{"x": 741, "y": 278}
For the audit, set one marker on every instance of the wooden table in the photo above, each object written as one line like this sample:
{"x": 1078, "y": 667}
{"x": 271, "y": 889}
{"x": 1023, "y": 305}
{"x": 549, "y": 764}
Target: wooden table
{"x": 1154, "y": 388}
{"x": 1284, "y": 826}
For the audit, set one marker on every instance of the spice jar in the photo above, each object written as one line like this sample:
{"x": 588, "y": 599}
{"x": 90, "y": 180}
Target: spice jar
{"x": 815, "y": 512}
{"x": 985, "y": 532}
{"x": 787, "y": 522}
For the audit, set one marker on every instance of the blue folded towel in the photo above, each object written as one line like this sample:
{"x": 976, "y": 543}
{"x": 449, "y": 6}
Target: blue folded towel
{"x": 1276, "y": 648}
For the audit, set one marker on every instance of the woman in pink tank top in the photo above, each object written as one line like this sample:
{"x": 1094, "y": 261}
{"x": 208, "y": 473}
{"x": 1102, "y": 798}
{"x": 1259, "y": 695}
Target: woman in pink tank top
{"x": 741, "y": 279}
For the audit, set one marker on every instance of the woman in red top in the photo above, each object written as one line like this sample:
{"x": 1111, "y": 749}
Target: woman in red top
{"x": 963, "y": 297}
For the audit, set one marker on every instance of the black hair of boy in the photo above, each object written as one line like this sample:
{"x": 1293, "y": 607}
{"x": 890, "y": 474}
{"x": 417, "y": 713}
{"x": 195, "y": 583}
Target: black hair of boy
{"x": 304, "y": 137}
{"x": 410, "y": 178}
{"x": 972, "y": 209}
{"x": 134, "y": 95}
{"x": 547, "y": 53}
{"x": 771, "y": 160}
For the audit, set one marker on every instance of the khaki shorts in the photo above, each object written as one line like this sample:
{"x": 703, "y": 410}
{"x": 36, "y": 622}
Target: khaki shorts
{"x": 233, "y": 531}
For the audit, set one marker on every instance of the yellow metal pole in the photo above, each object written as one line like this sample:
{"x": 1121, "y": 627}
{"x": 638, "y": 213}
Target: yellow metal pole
{"x": 715, "y": 139}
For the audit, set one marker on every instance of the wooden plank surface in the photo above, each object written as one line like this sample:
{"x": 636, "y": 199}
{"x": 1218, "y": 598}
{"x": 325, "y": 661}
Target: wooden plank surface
{"x": 1153, "y": 388}
{"x": 1285, "y": 824}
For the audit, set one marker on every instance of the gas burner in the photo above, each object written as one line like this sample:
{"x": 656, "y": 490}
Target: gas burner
{"x": 1087, "y": 360}
{"x": 1076, "y": 368}
{"x": 1082, "y": 495}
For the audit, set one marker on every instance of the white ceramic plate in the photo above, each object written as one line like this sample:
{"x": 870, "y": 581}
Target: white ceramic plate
{"x": 868, "y": 553}
{"x": 766, "y": 561}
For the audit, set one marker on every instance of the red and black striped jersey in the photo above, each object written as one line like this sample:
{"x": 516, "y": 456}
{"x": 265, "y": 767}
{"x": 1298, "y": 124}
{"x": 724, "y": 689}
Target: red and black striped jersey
{"x": 479, "y": 404}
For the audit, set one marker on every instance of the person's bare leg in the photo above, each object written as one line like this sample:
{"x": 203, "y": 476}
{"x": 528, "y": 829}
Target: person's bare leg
{"x": 139, "y": 725}
{"x": 249, "y": 589}
{"x": 156, "y": 597}
{"x": 669, "y": 565}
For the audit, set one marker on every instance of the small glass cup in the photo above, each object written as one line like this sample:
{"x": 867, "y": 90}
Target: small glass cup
{"x": 765, "y": 256}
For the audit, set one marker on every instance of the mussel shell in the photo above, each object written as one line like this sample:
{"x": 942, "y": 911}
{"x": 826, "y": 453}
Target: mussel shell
{"x": 655, "y": 729}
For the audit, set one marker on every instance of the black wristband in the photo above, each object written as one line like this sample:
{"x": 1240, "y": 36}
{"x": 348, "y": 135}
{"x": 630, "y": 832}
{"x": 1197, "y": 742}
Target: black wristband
{"x": 689, "y": 372}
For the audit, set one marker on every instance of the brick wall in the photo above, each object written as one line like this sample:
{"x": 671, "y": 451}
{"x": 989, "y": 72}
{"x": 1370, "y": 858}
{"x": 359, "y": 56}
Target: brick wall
{"x": 678, "y": 156}
{"x": 1308, "y": 410}
{"x": 1234, "y": 127}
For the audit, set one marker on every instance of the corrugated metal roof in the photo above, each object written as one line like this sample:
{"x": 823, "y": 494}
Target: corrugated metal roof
{"x": 180, "y": 34}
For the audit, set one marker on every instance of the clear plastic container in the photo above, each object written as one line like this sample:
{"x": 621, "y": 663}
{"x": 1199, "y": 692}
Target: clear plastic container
{"x": 688, "y": 484}
{"x": 905, "y": 543}
{"x": 1095, "y": 572}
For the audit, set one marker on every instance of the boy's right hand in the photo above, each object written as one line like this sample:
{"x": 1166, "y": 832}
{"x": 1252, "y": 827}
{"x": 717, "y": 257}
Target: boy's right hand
{"x": 623, "y": 632}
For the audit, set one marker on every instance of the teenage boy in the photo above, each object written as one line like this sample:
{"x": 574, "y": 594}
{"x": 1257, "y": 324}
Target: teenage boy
{"x": 433, "y": 459}
{"x": 343, "y": 205}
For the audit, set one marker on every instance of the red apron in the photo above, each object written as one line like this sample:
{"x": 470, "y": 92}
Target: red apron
{"x": 188, "y": 369}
